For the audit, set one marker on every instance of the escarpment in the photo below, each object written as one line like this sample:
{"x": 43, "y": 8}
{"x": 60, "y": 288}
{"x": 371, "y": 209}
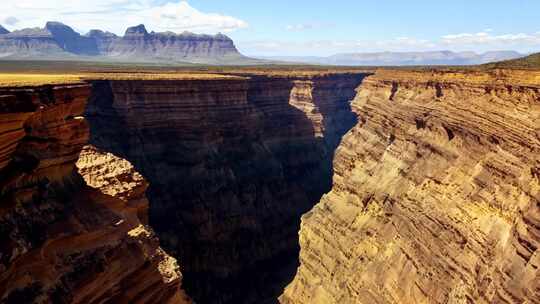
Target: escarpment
{"x": 232, "y": 164}
{"x": 61, "y": 240}
{"x": 435, "y": 197}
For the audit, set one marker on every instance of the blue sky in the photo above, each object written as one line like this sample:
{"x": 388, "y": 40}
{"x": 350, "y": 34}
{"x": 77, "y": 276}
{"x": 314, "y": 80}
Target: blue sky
{"x": 304, "y": 27}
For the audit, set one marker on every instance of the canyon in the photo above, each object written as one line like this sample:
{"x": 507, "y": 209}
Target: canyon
{"x": 387, "y": 186}
{"x": 251, "y": 154}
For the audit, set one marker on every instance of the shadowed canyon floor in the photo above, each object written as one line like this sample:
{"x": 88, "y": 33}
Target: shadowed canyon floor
{"x": 426, "y": 188}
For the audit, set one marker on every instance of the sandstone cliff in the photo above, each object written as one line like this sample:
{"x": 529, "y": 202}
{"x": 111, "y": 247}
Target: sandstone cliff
{"x": 61, "y": 240}
{"x": 232, "y": 165}
{"x": 435, "y": 198}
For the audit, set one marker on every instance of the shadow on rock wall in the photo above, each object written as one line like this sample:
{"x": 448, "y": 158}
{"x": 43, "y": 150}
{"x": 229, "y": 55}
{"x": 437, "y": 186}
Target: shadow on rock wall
{"x": 232, "y": 166}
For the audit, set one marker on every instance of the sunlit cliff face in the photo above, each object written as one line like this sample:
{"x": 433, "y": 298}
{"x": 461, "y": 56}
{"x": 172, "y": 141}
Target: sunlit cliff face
{"x": 435, "y": 196}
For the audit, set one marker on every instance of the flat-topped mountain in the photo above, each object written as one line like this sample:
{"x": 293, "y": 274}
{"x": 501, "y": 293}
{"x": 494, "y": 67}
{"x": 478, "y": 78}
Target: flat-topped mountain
{"x": 137, "y": 42}
{"x": 57, "y": 40}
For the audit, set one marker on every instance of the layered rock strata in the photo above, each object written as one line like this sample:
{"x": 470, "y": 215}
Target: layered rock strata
{"x": 62, "y": 241}
{"x": 435, "y": 198}
{"x": 232, "y": 165}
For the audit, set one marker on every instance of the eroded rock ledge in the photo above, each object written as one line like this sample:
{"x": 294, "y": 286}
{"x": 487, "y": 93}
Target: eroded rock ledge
{"x": 61, "y": 240}
{"x": 435, "y": 198}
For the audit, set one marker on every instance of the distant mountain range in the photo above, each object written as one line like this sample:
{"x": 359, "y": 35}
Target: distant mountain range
{"x": 404, "y": 58}
{"x": 59, "y": 41}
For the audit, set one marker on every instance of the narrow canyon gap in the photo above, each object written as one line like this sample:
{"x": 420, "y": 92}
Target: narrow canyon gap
{"x": 232, "y": 165}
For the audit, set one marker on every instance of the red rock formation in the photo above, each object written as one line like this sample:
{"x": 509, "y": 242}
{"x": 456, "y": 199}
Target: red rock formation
{"x": 436, "y": 195}
{"x": 62, "y": 241}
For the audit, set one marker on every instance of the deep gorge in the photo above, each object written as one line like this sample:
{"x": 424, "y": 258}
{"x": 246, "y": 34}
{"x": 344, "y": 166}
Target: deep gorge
{"x": 232, "y": 165}
{"x": 423, "y": 189}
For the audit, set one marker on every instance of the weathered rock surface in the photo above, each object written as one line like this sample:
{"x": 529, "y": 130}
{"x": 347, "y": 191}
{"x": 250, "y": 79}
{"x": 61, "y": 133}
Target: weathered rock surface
{"x": 435, "y": 198}
{"x": 232, "y": 165}
{"x": 62, "y": 241}
{"x": 114, "y": 176}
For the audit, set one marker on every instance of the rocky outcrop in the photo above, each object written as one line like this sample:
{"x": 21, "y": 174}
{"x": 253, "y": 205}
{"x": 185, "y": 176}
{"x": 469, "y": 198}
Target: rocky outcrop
{"x": 232, "y": 165}
{"x": 61, "y": 240}
{"x": 435, "y": 198}
{"x": 116, "y": 177}
{"x": 57, "y": 40}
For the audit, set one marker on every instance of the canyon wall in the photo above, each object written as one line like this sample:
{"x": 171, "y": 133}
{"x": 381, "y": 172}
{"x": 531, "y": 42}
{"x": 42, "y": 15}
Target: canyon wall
{"x": 232, "y": 165}
{"x": 435, "y": 197}
{"x": 63, "y": 240}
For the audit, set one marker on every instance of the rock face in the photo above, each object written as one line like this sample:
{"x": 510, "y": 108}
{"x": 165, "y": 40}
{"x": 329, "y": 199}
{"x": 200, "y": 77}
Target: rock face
{"x": 103, "y": 40}
{"x": 435, "y": 198}
{"x": 61, "y": 240}
{"x": 71, "y": 41}
{"x": 57, "y": 40}
{"x": 232, "y": 165}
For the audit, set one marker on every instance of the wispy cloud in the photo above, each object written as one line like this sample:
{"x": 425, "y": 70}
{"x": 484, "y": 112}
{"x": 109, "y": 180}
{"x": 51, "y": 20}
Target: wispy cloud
{"x": 116, "y": 15}
{"x": 301, "y": 27}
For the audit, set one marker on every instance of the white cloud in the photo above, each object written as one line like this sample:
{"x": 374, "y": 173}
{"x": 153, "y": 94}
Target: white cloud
{"x": 117, "y": 15}
{"x": 300, "y": 27}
